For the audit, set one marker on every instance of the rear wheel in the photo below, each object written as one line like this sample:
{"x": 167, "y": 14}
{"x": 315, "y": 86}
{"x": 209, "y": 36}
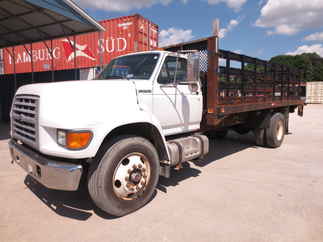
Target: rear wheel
{"x": 124, "y": 179}
{"x": 275, "y": 132}
{"x": 260, "y": 136}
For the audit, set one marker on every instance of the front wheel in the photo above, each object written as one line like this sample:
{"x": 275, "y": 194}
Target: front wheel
{"x": 125, "y": 178}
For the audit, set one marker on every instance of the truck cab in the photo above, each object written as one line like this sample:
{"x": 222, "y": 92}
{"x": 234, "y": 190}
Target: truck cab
{"x": 160, "y": 79}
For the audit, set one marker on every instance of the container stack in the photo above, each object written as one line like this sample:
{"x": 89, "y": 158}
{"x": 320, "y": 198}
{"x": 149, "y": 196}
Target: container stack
{"x": 314, "y": 92}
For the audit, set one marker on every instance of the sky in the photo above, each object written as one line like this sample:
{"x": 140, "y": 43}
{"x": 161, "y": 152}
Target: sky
{"x": 259, "y": 28}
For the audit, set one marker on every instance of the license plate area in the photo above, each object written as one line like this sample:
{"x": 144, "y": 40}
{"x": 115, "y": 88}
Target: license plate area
{"x": 29, "y": 165}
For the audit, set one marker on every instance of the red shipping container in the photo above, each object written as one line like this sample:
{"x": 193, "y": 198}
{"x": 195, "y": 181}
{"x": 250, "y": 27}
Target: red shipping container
{"x": 123, "y": 35}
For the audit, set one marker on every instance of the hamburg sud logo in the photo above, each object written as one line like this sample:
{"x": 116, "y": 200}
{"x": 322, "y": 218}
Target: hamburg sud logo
{"x": 80, "y": 50}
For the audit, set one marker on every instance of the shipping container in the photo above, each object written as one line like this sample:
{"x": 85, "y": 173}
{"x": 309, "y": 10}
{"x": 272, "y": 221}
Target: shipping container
{"x": 1, "y": 62}
{"x": 314, "y": 92}
{"x": 122, "y": 35}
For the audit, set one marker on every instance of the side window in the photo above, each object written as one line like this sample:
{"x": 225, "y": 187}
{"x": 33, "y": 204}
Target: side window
{"x": 170, "y": 73}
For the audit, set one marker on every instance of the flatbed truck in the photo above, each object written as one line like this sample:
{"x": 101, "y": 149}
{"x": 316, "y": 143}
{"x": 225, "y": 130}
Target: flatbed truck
{"x": 145, "y": 114}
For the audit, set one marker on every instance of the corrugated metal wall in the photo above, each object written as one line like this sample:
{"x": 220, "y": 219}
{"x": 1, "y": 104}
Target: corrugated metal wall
{"x": 314, "y": 92}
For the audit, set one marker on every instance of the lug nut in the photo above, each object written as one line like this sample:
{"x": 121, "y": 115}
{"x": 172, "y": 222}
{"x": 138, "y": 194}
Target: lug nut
{"x": 134, "y": 166}
{"x": 140, "y": 165}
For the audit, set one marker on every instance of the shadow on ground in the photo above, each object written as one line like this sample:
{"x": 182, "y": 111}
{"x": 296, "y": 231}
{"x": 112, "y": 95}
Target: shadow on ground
{"x": 78, "y": 205}
{"x": 218, "y": 149}
{"x": 75, "y": 205}
{"x": 4, "y": 131}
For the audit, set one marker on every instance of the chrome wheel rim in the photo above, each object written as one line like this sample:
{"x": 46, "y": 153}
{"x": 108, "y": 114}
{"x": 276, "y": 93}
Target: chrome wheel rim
{"x": 131, "y": 177}
{"x": 280, "y": 130}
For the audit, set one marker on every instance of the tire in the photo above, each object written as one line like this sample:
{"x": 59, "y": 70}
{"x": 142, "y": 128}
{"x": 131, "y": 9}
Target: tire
{"x": 275, "y": 132}
{"x": 110, "y": 176}
{"x": 217, "y": 134}
{"x": 260, "y": 137}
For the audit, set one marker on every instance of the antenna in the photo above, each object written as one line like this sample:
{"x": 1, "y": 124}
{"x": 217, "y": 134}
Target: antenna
{"x": 216, "y": 27}
{"x": 216, "y": 32}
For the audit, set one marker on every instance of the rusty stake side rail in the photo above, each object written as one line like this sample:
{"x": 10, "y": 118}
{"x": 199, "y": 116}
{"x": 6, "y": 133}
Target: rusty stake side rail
{"x": 235, "y": 83}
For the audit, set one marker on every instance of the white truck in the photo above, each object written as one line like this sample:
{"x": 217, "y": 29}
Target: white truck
{"x": 144, "y": 114}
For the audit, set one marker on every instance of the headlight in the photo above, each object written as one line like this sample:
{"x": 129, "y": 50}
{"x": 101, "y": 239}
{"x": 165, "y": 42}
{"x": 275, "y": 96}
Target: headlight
{"x": 74, "y": 140}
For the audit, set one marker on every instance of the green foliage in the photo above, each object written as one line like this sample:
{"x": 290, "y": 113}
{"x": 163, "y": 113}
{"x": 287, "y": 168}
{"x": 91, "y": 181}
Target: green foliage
{"x": 312, "y": 63}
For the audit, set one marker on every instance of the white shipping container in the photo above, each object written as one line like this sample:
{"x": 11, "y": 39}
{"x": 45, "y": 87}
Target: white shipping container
{"x": 314, "y": 92}
{"x": 88, "y": 73}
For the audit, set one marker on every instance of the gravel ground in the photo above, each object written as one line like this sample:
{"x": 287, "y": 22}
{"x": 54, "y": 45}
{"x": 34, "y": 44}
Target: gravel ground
{"x": 239, "y": 192}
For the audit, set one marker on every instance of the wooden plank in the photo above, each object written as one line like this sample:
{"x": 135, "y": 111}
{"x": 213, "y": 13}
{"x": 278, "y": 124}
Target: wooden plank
{"x": 212, "y": 76}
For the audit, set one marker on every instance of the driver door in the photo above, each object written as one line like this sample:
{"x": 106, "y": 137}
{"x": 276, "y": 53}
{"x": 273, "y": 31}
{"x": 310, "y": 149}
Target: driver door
{"x": 164, "y": 98}
{"x": 176, "y": 105}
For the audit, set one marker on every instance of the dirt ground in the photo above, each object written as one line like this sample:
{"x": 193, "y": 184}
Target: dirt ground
{"x": 239, "y": 192}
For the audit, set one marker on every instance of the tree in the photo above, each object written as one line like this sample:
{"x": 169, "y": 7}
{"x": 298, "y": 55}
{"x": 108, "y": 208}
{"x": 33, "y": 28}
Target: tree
{"x": 311, "y": 63}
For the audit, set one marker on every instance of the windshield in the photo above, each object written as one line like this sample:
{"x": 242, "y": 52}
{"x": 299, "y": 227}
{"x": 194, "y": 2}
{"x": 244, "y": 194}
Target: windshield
{"x": 139, "y": 66}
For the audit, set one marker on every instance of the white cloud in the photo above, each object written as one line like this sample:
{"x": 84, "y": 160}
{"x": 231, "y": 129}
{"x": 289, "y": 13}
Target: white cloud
{"x": 315, "y": 37}
{"x": 289, "y": 17}
{"x": 224, "y": 31}
{"x": 173, "y": 36}
{"x": 317, "y": 48}
{"x": 122, "y": 5}
{"x": 235, "y": 4}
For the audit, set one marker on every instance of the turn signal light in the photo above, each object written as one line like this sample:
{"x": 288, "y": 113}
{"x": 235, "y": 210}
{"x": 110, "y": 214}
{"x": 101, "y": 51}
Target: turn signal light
{"x": 78, "y": 140}
{"x": 74, "y": 140}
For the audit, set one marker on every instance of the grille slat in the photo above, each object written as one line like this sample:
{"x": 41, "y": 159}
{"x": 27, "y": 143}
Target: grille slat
{"x": 24, "y": 133}
{"x": 25, "y": 104}
{"x": 22, "y": 110}
{"x": 24, "y": 119}
{"x": 30, "y": 128}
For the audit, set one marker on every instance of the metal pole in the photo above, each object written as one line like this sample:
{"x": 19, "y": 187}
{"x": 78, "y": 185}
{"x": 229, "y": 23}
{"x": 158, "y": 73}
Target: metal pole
{"x": 75, "y": 63}
{"x": 52, "y": 60}
{"x": 14, "y": 70}
{"x": 31, "y": 60}
{"x": 101, "y": 52}
{"x": 32, "y": 63}
{"x": 148, "y": 37}
{"x": 50, "y": 50}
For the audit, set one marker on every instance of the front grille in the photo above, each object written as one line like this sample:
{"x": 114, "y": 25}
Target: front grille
{"x": 24, "y": 119}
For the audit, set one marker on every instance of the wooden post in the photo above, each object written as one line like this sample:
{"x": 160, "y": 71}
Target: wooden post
{"x": 212, "y": 75}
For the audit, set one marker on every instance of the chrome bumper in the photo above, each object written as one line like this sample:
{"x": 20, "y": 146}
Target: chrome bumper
{"x": 51, "y": 173}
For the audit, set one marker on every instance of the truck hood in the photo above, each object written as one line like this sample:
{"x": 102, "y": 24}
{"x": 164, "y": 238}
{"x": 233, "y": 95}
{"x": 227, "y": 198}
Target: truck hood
{"x": 81, "y": 103}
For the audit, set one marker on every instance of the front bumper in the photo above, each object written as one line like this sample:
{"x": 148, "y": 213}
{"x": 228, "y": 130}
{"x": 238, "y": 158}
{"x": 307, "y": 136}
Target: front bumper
{"x": 51, "y": 173}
